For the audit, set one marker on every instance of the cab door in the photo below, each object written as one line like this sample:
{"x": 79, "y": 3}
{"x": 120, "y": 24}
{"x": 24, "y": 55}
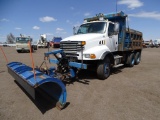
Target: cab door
{"x": 113, "y": 38}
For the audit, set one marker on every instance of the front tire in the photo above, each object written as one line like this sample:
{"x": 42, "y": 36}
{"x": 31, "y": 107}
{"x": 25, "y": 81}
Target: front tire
{"x": 19, "y": 51}
{"x": 103, "y": 69}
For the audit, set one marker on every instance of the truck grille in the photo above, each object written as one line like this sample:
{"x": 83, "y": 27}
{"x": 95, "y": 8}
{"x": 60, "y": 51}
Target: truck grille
{"x": 22, "y": 46}
{"x": 71, "y": 48}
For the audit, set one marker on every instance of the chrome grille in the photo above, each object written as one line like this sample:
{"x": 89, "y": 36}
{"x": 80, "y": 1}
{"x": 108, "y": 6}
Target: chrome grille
{"x": 71, "y": 48}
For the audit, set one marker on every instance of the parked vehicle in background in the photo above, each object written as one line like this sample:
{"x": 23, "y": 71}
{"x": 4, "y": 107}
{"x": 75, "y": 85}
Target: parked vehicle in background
{"x": 5, "y": 44}
{"x": 55, "y": 42}
{"x": 22, "y": 44}
{"x": 145, "y": 44}
{"x": 42, "y": 42}
{"x": 156, "y": 43}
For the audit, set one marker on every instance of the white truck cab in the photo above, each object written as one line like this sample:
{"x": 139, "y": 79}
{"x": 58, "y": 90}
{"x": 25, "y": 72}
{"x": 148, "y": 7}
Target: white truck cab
{"x": 22, "y": 44}
{"x": 98, "y": 36}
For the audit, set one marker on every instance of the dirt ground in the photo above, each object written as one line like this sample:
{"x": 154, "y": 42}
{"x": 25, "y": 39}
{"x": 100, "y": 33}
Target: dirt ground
{"x": 128, "y": 94}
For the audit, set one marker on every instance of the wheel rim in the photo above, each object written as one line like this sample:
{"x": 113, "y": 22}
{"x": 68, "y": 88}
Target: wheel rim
{"x": 106, "y": 69}
{"x": 132, "y": 60}
{"x": 138, "y": 58}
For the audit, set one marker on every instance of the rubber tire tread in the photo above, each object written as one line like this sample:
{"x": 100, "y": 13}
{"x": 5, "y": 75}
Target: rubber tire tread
{"x": 130, "y": 58}
{"x": 137, "y": 56}
{"x": 100, "y": 69}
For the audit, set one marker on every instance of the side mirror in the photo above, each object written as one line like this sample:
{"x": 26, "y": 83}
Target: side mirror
{"x": 116, "y": 28}
{"x": 75, "y": 29}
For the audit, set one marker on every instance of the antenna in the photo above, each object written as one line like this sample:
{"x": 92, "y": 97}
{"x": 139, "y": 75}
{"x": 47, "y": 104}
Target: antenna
{"x": 116, "y": 6}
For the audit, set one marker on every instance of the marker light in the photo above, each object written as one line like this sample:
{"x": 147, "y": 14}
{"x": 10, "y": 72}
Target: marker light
{"x": 85, "y": 21}
{"x": 101, "y": 18}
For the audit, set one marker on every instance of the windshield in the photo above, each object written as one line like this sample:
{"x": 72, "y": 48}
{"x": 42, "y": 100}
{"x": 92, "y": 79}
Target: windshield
{"x": 155, "y": 41}
{"x": 57, "y": 39}
{"x": 22, "y": 40}
{"x": 95, "y": 27}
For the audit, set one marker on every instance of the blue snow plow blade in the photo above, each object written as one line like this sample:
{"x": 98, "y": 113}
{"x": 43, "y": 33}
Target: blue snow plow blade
{"x": 24, "y": 75}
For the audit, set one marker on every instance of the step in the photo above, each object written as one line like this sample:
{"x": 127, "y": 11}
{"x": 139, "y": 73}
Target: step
{"x": 116, "y": 66}
{"x": 117, "y": 57}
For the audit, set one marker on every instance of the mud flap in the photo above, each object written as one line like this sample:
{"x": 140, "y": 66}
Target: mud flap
{"x": 24, "y": 75}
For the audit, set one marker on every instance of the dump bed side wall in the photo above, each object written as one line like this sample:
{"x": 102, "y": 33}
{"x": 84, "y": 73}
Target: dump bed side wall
{"x": 128, "y": 39}
{"x": 132, "y": 40}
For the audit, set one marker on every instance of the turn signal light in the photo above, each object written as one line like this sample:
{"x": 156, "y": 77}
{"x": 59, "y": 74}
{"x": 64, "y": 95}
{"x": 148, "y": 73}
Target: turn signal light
{"x": 83, "y": 42}
{"x": 92, "y": 56}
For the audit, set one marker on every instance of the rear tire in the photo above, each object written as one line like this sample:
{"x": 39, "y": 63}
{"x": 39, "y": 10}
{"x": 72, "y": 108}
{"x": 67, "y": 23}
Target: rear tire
{"x": 19, "y": 51}
{"x": 137, "y": 58}
{"x": 35, "y": 47}
{"x": 131, "y": 60}
{"x": 103, "y": 69}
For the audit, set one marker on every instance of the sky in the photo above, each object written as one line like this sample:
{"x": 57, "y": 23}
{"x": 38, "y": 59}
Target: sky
{"x": 56, "y": 18}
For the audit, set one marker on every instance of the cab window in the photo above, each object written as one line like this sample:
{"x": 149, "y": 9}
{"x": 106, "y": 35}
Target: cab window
{"x": 110, "y": 29}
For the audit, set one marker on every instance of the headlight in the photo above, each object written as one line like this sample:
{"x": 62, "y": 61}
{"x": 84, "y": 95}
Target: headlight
{"x": 87, "y": 55}
{"x": 92, "y": 56}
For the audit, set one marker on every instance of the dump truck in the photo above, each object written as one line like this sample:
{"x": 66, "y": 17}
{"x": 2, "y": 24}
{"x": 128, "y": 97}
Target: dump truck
{"x": 22, "y": 44}
{"x": 101, "y": 43}
{"x": 104, "y": 42}
{"x": 42, "y": 42}
{"x": 55, "y": 43}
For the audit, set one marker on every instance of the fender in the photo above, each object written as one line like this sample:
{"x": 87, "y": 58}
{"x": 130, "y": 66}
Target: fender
{"x": 108, "y": 53}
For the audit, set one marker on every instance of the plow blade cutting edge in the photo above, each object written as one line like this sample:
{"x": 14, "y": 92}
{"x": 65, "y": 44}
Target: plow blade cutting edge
{"x": 24, "y": 75}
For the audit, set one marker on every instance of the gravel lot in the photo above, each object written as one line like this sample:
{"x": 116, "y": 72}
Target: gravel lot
{"x": 128, "y": 94}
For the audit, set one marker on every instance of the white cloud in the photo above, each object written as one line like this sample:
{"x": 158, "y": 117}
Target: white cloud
{"x": 36, "y": 28}
{"x": 87, "y": 14}
{"x": 77, "y": 24}
{"x": 49, "y": 34}
{"x": 4, "y": 20}
{"x": 64, "y": 32}
{"x": 72, "y": 8}
{"x": 60, "y": 32}
{"x": 68, "y": 21}
{"x": 59, "y": 29}
{"x": 47, "y": 19}
{"x": 17, "y": 28}
{"x": 2, "y": 36}
{"x": 132, "y": 4}
{"x": 153, "y": 15}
